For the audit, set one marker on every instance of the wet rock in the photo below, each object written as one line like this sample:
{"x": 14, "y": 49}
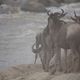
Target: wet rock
{"x": 49, "y": 2}
{"x": 33, "y": 6}
{"x": 55, "y": 3}
{"x": 6, "y": 9}
{"x": 13, "y": 2}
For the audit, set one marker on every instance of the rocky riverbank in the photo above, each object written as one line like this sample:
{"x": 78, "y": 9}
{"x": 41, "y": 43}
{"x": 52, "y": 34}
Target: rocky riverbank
{"x": 34, "y": 72}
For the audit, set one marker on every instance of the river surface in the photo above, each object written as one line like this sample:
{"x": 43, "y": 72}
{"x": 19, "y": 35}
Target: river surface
{"x": 17, "y": 34}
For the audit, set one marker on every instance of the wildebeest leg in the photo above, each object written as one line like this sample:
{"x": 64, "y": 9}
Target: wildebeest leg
{"x": 74, "y": 52}
{"x": 48, "y": 58}
{"x": 65, "y": 50}
{"x": 72, "y": 62}
{"x": 58, "y": 59}
{"x": 41, "y": 58}
{"x": 36, "y": 56}
{"x": 45, "y": 60}
{"x": 43, "y": 66}
{"x": 78, "y": 55}
{"x": 79, "y": 62}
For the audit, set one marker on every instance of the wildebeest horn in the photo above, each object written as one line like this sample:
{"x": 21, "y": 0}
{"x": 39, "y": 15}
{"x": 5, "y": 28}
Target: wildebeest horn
{"x": 63, "y": 14}
{"x": 75, "y": 14}
{"x": 62, "y": 11}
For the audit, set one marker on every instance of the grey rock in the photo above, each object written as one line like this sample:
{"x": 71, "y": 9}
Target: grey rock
{"x": 33, "y": 6}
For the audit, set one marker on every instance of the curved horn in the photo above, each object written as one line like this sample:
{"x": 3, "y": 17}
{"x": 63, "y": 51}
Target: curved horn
{"x": 62, "y": 11}
{"x": 63, "y": 14}
{"x": 75, "y": 14}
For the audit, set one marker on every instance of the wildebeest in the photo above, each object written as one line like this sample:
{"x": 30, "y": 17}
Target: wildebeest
{"x": 43, "y": 48}
{"x": 64, "y": 35}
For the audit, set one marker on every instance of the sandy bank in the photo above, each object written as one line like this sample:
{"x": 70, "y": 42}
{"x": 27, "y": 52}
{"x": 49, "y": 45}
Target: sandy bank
{"x": 34, "y": 72}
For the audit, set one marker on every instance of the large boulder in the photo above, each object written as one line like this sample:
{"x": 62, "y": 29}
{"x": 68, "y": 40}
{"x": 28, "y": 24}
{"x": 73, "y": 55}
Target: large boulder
{"x": 49, "y": 2}
{"x": 12, "y": 2}
{"x": 6, "y": 9}
{"x": 55, "y": 3}
{"x": 33, "y": 6}
{"x": 45, "y": 2}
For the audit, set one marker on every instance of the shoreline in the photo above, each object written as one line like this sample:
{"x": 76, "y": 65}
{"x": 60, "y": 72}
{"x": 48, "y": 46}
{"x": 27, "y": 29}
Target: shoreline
{"x": 34, "y": 72}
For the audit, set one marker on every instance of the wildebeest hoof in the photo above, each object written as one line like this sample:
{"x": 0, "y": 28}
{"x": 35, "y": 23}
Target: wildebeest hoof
{"x": 60, "y": 70}
{"x": 46, "y": 70}
{"x": 65, "y": 71}
{"x": 52, "y": 72}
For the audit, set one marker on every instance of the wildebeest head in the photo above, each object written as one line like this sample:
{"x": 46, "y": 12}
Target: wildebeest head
{"x": 54, "y": 19}
{"x": 76, "y": 18}
{"x": 56, "y": 15}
